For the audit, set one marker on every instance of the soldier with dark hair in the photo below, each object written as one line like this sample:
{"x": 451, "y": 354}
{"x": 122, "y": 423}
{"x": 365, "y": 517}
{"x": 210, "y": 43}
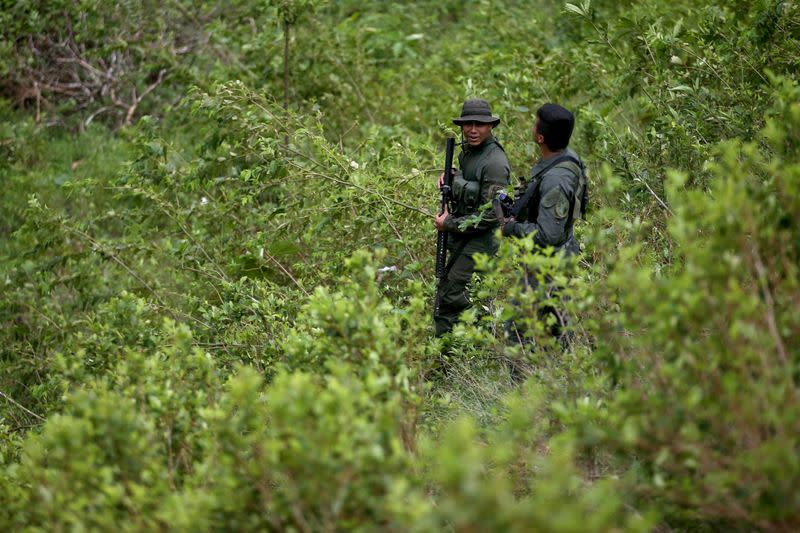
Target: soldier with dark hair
{"x": 555, "y": 196}
{"x": 559, "y": 176}
{"x": 484, "y": 170}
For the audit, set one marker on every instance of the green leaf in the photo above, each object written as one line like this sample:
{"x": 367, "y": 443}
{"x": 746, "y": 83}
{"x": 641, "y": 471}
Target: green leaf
{"x": 572, "y": 8}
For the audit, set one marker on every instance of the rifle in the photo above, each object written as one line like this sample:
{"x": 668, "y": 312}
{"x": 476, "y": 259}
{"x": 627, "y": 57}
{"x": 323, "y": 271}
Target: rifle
{"x": 441, "y": 238}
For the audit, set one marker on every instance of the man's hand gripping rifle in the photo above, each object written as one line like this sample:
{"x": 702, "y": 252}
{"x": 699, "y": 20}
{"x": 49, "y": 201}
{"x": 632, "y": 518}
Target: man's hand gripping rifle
{"x": 528, "y": 194}
{"x": 503, "y": 204}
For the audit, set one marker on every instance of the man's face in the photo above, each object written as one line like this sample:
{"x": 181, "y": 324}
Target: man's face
{"x": 476, "y": 132}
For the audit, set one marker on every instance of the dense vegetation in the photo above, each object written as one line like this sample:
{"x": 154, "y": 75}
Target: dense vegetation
{"x": 217, "y": 265}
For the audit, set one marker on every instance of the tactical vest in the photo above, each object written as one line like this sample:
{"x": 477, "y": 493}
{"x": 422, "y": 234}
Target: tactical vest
{"x": 531, "y": 198}
{"x": 466, "y": 191}
{"x": 579, "y": 200}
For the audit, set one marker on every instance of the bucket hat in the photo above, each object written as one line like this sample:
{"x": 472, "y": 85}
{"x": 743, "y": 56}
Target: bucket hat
{"x": 476, "y": 110}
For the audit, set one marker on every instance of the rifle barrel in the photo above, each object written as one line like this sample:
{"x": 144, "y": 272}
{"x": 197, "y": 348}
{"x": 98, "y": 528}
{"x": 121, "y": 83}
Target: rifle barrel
{"x": 441, "y": 238}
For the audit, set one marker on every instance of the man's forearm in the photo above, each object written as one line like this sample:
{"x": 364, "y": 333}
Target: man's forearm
{"x": 487, "y": 221}
{"x": 541, "y": 236}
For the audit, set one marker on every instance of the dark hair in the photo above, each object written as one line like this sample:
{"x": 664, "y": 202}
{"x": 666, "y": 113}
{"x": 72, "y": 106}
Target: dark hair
{"x": 555, "y": 124}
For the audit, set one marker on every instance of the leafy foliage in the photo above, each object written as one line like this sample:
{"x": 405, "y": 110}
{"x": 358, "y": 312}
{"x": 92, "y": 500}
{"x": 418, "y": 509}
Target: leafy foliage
{"x": 216, "y": 269}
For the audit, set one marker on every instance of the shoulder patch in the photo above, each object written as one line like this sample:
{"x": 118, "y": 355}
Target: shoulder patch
{"x": 562, "y": 207}
{"x": 556, "y": 200}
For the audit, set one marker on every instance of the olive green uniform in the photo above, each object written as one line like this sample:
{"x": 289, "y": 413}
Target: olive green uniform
{"x": 560, "y": 194}
{"x": 484, "y": 171}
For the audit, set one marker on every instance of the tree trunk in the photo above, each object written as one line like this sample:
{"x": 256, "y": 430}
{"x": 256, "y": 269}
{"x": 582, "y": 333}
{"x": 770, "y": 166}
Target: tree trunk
{"x": 286, "y": 28}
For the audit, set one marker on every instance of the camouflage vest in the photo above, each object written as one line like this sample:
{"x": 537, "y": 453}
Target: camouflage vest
{"x": 467, "y": 183}
{"x": 528, "y": 208}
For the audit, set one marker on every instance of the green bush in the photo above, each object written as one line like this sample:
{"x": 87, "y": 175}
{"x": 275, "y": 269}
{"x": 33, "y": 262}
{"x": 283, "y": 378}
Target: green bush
{"x": 215, "y": 307}
{"x": 708, "y": 380}
{"x": 517, "y": 479}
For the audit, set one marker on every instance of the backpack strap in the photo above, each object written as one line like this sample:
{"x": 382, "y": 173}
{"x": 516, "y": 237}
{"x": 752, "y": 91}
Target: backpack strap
{"x": 532, "y": 192}
{"x": 580, "y": 196}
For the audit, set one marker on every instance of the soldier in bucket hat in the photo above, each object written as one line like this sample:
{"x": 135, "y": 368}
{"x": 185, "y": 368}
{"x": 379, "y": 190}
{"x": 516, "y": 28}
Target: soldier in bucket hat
{"x": 484, "y": 170}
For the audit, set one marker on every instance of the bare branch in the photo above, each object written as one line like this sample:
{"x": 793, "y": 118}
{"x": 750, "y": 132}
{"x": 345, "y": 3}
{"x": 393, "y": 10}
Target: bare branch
{"x": 16, "y": 403}
{"x": 285, "y": 271}
{"x": 138, "y": 99}
{"x": 652, "y": 192}
{"x": 763, "y": 282}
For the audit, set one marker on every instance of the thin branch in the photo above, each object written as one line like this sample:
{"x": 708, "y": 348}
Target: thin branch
{"x": 768, "y": 299}
{"x": 362, "y": 188}
{"x": 98, "y": 246}
{"x": 15, "y": 402}
{"x": 285, "y": 271}
{"x": 90, "y": 118}
{"x": 364, "y": 102}
{"x": 396, "y": 231}
{"x": 660, "y": 201}
{"x": 166, "y": 207}
{"x": 138, "y": 99}
{"x": 286, "y": 27}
